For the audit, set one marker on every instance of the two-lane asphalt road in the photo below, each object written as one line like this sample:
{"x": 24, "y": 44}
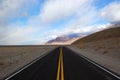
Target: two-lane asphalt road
{"x": 62, "y": 64}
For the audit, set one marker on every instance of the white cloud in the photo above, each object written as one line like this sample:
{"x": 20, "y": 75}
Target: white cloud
{"x": 21, "y": 34}
{"x": 18, "y": 35}
{"x": 83, "y": 30}
{"x": 111, "y": 12}
{"x": 83, "y": 11}
{"x": 54, "y": 10}
{"x": 13, "y": 8}
{"x": 15, "y": 33}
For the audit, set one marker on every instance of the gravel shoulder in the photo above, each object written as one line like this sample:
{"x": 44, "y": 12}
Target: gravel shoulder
{"x": 13, "y": 58}
{"x": 104, "y": 52}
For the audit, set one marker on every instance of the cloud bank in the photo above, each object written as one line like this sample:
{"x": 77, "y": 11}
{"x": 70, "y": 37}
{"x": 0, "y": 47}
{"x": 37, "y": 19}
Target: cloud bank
{"x": 70, "y": 16}
{"x": 61, "y": 9}
{"x": 10, "y": 9}
{"x": 111, "y": 12}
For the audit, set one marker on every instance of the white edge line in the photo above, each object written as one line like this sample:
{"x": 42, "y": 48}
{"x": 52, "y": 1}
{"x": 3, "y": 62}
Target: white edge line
{"x": 101, "y": 67}
{"x": 28, "y": 65}
{"x": 95, "y": 64}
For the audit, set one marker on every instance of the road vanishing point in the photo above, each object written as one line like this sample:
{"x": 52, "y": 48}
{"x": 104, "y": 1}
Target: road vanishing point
{"x": 63, "y": 64}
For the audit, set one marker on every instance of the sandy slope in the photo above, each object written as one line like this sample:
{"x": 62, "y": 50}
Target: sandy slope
{"x": 101, "y": 35}
{"x": 102, "y": 47}
{"x": 13, "y": 58}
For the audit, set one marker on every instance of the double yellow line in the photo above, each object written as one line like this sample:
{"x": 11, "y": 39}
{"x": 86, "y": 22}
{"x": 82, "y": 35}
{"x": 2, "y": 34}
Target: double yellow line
{"x": 60, "y": 71}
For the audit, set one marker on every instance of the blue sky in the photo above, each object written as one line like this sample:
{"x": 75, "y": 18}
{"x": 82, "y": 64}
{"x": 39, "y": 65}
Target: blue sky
{"x": 27, "y": 22}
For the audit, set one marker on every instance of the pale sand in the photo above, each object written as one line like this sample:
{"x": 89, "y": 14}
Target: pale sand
{"x": 104, "y": 52}
{"x": 13, "y": 58}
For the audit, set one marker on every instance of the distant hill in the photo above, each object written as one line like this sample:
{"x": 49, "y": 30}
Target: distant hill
{"x": 103, "y": 47}
{"x": 65, "y": 39}
{"x": 113, "y": 32}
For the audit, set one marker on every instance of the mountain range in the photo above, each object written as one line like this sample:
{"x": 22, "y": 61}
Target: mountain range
{"x": 65, "y": 39}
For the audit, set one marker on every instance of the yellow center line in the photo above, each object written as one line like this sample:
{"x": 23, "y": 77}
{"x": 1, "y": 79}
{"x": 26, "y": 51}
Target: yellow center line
{"x": 60, "y": 72}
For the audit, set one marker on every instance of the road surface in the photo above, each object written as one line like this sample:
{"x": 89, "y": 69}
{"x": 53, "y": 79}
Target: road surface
{"x": 62, "y": 64}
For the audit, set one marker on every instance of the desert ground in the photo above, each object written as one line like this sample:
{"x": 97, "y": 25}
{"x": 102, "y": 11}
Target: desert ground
{"x": 13, "y": 58}
{"x": 102, "y": 47}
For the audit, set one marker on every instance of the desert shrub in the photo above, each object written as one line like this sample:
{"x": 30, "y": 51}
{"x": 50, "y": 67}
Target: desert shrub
{"x": 1, "y": 63}
{"x": 81, "y": 44}
{"x": 105, "y": 51}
